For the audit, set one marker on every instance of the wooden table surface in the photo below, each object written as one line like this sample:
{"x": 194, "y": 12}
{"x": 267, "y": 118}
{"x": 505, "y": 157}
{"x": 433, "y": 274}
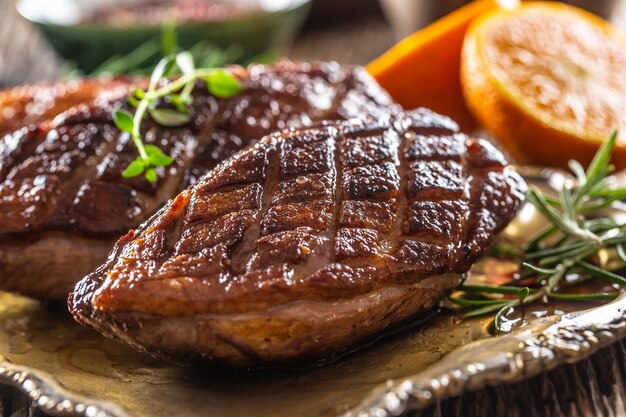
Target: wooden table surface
{"x": 594, "y": 387}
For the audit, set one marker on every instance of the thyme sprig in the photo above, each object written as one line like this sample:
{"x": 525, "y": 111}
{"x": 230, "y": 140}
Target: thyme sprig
{"x": 565, "y": 254}
{"x": 176, "y": 92}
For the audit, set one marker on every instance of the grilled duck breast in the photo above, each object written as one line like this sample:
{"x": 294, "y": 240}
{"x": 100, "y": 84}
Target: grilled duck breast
{"x": 305, "y": 243}
{"x": 31, "y": 104}
{"x": 63, "y": 201}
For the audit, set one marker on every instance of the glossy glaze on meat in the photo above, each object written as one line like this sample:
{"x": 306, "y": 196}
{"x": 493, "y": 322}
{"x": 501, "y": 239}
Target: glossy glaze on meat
{"x": 306, "y": 243}
{"x": 31, "y": 104}
{"x": 290, "y": 95}
{"x": 63, "y": 202}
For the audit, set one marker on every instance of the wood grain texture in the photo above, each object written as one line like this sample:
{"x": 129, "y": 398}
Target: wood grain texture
{"x": 592, "y": 387}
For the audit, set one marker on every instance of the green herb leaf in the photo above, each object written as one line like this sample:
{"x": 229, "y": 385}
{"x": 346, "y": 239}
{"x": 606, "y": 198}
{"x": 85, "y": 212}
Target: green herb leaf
{"x": 223, "y": 84}
{"x": 600, "y": 162}
{"x": 541, "y": 271}
{"x": 151, "y": 175}
{"x": 598, "y": 168}
{"x": 159, "y": 71}
{"x": 498, "y": 318}
{"x": 471, "y": 303}
{"x": 579, "y": 171}
{"x": 168, "y": 117}
{"x": 567, "y": 204}
{"x": 178, "y": 99}
{"x": 567, "y": 248}
{"x": 585, "y": 296}
{"x": 621, "y": 253}
{"x": 502, "y": 289}
{"x": 617, "y": 193}
{"x": 130, "y": 63}
{"x": 534, "y": 243}
{"x": 559, "y": 252}
{"x": 565, "y": 224}
{"x": 133, "y": 101}
{"x": 135, "y": 168}
{"x": 157, "y": 158}
{"x": 180, "y": 102}
{"x": 555, "y": 279}
{"x": 184, "y": 60}
{"x": 169, "y": 39}
{"x": 178, "y": 92}
{"x": 123, "y": 120}
{"x": 523, "y": 294}
{"x": 602, "y": 225}
{"x": 602, "y": 273}
{"x": 485, "y": 310}
{"x": 139, "y": 93}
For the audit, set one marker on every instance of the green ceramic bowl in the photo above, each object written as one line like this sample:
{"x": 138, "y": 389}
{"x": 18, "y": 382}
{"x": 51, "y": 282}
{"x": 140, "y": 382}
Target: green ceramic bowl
{"x": 90, "y": 44}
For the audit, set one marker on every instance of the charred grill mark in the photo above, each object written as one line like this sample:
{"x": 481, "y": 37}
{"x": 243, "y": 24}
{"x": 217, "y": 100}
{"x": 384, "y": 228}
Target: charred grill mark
{"x": 475, "y": 185}
{"x": 476, "y": 179}
{"x": 338, "y": 197}
{"x": 83, "y": 154}
{"x": 290, "y": 95}
{"x": 330, "y": 222}
{"x": 174, "y": 234}
{"x": 276, "y": 97}
{"x": 245, "y": 251}
{"x": 482, "y": 160}
{"x": 468, "y": 197}
{"x": 93, "y": 157}
{"x": 365, "y": 200}
{"x": 17, "y": 147}
{"x": 437, "y": 211}
{"x": 394, "y": 240}
{"x": 106, "y": 205}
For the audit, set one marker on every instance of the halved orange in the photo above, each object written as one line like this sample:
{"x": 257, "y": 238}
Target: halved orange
{"x": 549, "y": 80}
{"x": 423, "y": 69}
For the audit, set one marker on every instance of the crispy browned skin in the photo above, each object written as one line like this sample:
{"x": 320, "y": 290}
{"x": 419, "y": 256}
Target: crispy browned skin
{"x": 31, "y": 104}
{"x": 306, "y": 243}
{"x": 290, "y": 95}
{"x": 63, "y": 202}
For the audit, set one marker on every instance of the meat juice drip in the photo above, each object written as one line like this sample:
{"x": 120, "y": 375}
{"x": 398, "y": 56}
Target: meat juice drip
{"x": 492, "y": 271}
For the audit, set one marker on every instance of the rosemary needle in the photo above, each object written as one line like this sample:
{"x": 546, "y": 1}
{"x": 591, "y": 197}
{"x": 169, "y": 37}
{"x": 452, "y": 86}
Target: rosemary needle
{"x": 576, "y": 234}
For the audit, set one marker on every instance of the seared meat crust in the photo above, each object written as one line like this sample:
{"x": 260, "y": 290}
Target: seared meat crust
{"x": 305, "y": 243}
{"x": 63, "y": 201}
{"x": 31, "y": 104}
{"x": 61, "y": 190}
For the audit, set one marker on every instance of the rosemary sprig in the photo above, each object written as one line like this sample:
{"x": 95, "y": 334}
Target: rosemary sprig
{"x": 177, "y": 92}
{"x": 569, "y": 247}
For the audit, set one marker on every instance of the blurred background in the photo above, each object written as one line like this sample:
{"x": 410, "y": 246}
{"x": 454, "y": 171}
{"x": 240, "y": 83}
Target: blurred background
{"x": 51, "y": 39}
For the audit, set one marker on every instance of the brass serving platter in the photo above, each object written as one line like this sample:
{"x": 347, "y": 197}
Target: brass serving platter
{"x": 71, "y": 371}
